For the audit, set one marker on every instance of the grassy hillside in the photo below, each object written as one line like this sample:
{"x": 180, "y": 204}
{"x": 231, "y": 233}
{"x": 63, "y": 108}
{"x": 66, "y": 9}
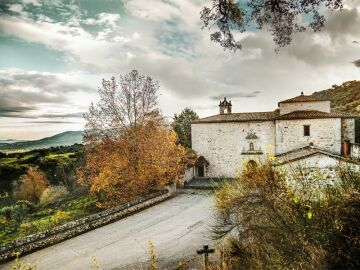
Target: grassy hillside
{"x": 344, "y": 98}
{"x": 65, "y": 138}
{"x": 58, "y": 163}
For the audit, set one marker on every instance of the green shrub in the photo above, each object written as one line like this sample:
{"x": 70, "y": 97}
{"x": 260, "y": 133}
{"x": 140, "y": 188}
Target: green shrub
{"x": 60, "y": 217}
{"x": 27, "y": 227}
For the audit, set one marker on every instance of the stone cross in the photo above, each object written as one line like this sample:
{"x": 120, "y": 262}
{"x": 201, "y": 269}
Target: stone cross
{"x": 206, "y": 251}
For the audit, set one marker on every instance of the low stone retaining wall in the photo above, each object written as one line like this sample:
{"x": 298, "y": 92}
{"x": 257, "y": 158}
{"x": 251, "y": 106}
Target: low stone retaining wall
{"x": 71, "y": 229}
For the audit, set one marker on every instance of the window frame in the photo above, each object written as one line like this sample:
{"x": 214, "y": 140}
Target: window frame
{"x": 307, "y": 130}
{"x": 251, "y": 146}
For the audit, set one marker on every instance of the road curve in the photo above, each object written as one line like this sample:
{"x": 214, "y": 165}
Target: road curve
{"x": 177, "y": 228}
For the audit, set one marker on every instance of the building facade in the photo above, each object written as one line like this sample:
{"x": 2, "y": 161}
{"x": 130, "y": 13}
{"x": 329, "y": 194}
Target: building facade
{"x": 301, "y": 129}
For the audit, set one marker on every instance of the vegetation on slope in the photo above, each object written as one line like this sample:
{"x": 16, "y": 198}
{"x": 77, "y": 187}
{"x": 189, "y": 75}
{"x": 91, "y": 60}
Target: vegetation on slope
{"x": 267, "y": 222}
{"x": 58, "y": 163}
{"x": 344, "y": 98}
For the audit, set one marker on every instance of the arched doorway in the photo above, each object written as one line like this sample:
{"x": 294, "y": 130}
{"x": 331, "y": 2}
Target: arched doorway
{"x": 201, "y": 167}
{"x": 252, "y": 163}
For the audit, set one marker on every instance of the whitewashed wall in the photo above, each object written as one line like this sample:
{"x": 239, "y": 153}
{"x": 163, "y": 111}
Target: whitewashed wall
{"x": 323, "y": 106}
{"x": 324, "y": 134}
{"x": 222, "y": 144}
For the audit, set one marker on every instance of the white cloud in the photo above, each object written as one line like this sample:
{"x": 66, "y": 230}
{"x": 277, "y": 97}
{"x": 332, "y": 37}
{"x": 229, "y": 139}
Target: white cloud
{"x": 103, "y": 19}
{"x": 16, "y": 8}
{"x": 183, "y": 12}
{"x": 83, "y": 46}
{"x": 190, "y": 67}
{"x": 32, "y": 2}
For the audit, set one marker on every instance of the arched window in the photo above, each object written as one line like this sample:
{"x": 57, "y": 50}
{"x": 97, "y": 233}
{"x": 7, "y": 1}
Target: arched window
{"x": 251, "y": 147}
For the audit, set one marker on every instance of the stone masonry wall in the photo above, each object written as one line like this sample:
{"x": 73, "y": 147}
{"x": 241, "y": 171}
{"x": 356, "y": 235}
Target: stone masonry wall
{"x": 324, "y": 134}
{"x": 355, "y": 151}
{"x": 71, "y": 229}
{"x": 323, "y": 106}
{"x": 319, "y": 161}
{"x": 222, "y": 144}
{"x": 320, "y": 170}
{"x": 348, "y": 130}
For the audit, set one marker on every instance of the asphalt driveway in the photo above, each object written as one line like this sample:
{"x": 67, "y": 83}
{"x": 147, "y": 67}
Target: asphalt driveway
{"x": 177, "y": 228}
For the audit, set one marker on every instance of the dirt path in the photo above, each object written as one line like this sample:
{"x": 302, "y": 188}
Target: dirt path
{"x": 177, "y": 228}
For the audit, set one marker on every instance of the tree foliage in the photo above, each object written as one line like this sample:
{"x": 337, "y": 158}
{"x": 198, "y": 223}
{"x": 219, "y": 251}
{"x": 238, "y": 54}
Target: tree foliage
{"x": 182, "y": 127}
{"x": 31, "y": 185}
{"x": 130, "y": 149}
{"x": 141, "y": 159}
{"x": 131, "y": 102}
{"x": 267, "y": 226}
{"x": 18, "y": 211}
{"x": 281, "y": 17}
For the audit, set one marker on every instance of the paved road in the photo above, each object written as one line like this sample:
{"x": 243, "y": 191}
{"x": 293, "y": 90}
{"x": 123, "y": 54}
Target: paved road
{"x": 177, "y": 227}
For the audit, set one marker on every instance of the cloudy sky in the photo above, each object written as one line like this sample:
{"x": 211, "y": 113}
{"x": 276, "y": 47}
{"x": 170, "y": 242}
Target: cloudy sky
{"x": 53, "y": 55}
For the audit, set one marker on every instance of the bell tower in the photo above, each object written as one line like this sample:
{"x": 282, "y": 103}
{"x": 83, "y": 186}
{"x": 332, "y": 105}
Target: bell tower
{"x": 225, "y": 106}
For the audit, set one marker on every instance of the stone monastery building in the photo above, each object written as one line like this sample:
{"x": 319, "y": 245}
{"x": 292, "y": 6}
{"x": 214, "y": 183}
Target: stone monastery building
{"x": 303, "y": 129}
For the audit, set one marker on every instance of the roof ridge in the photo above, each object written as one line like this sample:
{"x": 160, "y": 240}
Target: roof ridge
{"x": 303, "y": 98}
{"x": 238, "y": 117}
{"x": 313, "y": 150}
{"x": 298, "y": 114}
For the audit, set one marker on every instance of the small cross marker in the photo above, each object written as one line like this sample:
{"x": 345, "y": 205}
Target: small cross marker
{"x": 206, "y": 251}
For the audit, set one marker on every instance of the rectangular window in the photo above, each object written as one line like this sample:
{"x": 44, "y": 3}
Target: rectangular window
{"x": 307, "y": 130}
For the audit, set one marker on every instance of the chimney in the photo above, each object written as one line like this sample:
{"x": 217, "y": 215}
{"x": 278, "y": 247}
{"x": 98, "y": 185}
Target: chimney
{"x": 225, "y": 106}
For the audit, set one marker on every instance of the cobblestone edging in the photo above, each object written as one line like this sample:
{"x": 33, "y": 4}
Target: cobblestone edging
{"x": 73, "y": 228}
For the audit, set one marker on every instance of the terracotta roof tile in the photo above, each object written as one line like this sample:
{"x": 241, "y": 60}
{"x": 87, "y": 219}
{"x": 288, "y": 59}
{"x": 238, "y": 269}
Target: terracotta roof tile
{"x": 269, "y": 116}
{"x": 304, "y": 152}
{"x": 238, "y": 117}
{"x": 309, "y": 114}
{"x": 302, "y": 98}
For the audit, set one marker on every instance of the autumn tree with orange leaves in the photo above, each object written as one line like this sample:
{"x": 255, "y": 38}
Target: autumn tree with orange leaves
{"x": 31, "y": 185}
{"x": 130, "y": 150}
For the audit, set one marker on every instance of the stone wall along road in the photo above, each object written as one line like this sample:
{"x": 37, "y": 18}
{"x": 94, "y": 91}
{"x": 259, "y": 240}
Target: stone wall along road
{"x": 177, "y": 227}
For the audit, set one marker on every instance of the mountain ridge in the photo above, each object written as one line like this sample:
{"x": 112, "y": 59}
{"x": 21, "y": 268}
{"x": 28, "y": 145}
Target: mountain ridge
{"x": 60, "y": 139}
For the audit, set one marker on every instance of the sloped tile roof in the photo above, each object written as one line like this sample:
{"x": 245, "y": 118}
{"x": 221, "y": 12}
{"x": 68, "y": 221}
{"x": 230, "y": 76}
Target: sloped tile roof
{"x": 312, "y": 114}
{"x": 238, "y": 117}
{"x": 269, "y": 116}
{"x": 302, "y": 98}
{"x": 201, "y": 161}
{"x": 307, "y": 151}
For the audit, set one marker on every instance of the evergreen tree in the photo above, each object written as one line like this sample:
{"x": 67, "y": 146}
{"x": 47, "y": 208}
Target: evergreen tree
{"x": 182, "y": 127}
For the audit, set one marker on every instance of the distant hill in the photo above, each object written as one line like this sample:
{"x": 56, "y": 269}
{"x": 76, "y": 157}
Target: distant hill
{"x": 344, "y": 98}
{"x": 10, "y": 141}
{"x": 65, "y": 138}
